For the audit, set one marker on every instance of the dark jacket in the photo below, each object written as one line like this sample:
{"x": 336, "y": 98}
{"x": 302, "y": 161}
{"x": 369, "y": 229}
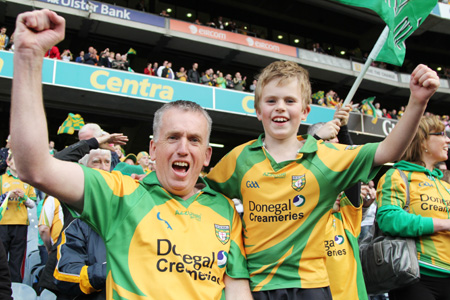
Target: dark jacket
{"x": 76, "y": 151}
{"x": 83, "y": 249}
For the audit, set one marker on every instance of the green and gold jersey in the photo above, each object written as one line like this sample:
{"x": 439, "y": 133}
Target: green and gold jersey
{"x": 286, "y": 206}
{"x": 429, "y": 198}
{"x": 160, "y": 246}
{"x": 342, "y": 252}
{"x": 16, "y": 212}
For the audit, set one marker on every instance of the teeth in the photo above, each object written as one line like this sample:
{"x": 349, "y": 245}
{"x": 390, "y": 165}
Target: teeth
{"x": 181, "y": 164}
{"x": 280, "y": 119}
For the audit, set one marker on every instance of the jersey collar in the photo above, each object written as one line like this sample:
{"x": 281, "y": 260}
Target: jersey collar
{"x": 152, "y": 179}
{"x": 310, "y": 145}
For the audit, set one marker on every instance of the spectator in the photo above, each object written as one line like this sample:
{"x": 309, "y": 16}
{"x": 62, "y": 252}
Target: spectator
{"x": 141, "y": 6}
{"x": 143, "y": 160}
{"x": 229, "y": 81}
{"x": 51, "y": 221}
{"x": 104, "y": 59}
{"x": 181, "y": 74}
{"x": 51, "y": 148}
{"x": 4, "y": 152}
{"x": 66, "y": 55}
{"x": 427, "y": 220}
{"x": 208, "y": 78}
{"x": 161, "y": 68}
{"x": 80, "y": 59}
{"x": 239, "y": 82}
{"x": 253, "y": 86}
{"x": 118, "y": 63}
{"x": 155, "y": 67}
{"x": 193, "y": 75}
{"x": 53, "y": 53}
{"x": 14, "y": 224}
{"x": 220, "y": 23}
{"x": 378, "y": 111}
{"x": 317, "y": 48}
{"x": 90, "y": 58}
{"x": 220, "y": 81}
{"x": 4, "y": 39}
{"x": 167, "y": 72}
{"x": 149, "y": 70}
{"x": 81, "y": 269}
{"x": 164, "y": 14}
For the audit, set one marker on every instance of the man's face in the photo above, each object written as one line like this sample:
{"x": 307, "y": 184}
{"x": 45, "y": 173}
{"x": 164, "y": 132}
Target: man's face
{"x": 3, "y": 30}
{"x": 195, "y": 66}
{"x": 99, "y": 161}
{"x": 181, "y": 151}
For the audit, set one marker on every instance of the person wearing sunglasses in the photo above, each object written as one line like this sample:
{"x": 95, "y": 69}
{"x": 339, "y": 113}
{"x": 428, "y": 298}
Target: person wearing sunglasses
{"x": 428, "y": 219}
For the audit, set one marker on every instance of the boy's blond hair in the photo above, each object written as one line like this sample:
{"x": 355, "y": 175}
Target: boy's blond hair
{"x": 284, "y": 71}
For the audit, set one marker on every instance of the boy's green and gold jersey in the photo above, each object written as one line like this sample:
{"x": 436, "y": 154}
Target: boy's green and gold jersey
{"x": 286, "y": 206}
{"x": 342, "y": 252}
{"x": 160, "y": 246}
{"x": 429, "y": 198}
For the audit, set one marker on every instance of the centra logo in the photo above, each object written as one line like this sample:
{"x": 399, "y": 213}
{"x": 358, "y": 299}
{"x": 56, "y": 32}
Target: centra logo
{"x": 252, "y": 184}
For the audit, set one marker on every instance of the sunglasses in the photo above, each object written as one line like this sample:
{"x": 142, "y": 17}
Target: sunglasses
{"x": 437, "y": 133}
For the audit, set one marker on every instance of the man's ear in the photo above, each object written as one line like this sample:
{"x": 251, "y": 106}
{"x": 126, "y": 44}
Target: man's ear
{"x": 207, "y": 157}
{"x": 152, "y": 150}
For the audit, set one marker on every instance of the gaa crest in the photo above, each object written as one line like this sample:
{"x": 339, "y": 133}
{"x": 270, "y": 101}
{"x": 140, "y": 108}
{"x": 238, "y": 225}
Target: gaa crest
{"x": 298, "y": 182}
{"x": 222, "y": 233}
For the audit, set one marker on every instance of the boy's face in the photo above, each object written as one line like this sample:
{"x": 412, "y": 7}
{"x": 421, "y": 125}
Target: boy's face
{"x": 281, "y": 109}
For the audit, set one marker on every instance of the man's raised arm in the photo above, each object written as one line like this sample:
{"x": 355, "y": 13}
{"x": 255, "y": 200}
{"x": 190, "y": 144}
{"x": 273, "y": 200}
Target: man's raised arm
{"x": 35, "y": 33}
{"x": 423, "y": 84}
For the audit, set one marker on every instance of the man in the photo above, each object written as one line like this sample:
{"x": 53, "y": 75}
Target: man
{"x": 193, "y": 75}
{"x": 14, "y": 224}
{"x": 91, "y": 136}
{"x": 195, "y": 234}
{"x": 80, "y": 272}
{"x": 90, "y": 58}
{"x": 161, "y": 68}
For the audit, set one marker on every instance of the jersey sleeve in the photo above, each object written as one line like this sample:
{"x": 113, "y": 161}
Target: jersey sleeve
{"x": 224, "y": 177}
{"x": 352, "y": 216}
{"x": 106, "y": 203}
{"x": 392, "y": 219}
{"x": 347, "y": 164}
{"x": 48, "y": 212}
{"x": 237, "y": 262}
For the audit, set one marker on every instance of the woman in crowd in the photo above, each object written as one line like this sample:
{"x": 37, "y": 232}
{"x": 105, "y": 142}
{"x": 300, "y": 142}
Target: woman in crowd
{"x": 428, "y": 219}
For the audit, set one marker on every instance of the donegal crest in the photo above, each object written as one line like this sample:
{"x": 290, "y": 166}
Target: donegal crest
{"x": 298, "y": 182}
{"x": 222, "y": 233}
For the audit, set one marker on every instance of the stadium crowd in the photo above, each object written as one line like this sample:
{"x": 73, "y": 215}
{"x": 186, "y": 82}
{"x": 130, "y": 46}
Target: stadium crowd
{"x": 304, "y": 199}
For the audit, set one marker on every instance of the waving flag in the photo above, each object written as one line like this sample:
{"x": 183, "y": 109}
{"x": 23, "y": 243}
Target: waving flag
{"x": 368, "y": 108}
{"x": 402, "y": 17}
{"x": 72, "y": 123}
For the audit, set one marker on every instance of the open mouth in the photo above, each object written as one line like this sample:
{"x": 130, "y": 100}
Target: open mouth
{"x": 180, "y": 166}
{"x": 280, "y": 120}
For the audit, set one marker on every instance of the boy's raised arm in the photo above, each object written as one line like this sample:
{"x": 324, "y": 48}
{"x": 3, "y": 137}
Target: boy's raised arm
{"x": 35, "y": 33}
{"x": 423, "y": 84}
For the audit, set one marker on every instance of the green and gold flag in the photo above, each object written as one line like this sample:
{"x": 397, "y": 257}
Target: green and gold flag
{"x": 72, "y": 123}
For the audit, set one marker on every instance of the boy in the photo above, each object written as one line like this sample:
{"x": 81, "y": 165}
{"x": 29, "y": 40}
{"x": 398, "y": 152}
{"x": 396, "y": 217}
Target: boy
{"x": 288, "y": 184}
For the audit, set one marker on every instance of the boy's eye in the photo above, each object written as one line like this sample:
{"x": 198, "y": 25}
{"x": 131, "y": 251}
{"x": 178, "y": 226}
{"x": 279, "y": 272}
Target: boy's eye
{"x": 271, "y": 101}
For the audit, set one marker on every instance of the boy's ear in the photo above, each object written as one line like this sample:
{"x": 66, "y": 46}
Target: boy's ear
{"x": 305, "y": 112}
{"x": 258, "y": 114}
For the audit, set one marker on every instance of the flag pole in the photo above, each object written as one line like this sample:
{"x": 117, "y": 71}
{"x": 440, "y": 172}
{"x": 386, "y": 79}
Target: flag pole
{"x": 372, "y": 56}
